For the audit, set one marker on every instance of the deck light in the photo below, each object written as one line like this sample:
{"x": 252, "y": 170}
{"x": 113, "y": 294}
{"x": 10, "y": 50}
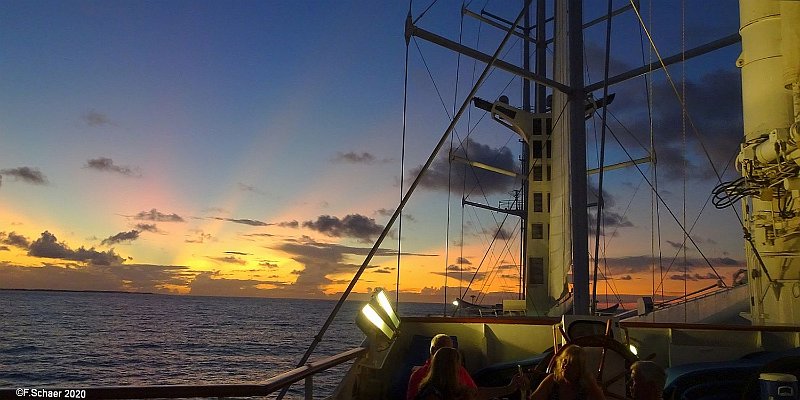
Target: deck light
{"x": 383, "y": 301}
{"x": 376, "y": 321}
{"x": 634, "y": 350}
{"x": 455, "y": 303}
{"x": 377, "y": 318}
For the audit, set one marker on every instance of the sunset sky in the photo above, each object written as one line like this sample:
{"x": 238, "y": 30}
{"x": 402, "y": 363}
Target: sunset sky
{"x": 253, "y": 148}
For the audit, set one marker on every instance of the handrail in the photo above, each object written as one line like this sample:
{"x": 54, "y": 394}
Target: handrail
{"x": 187, "y": 391}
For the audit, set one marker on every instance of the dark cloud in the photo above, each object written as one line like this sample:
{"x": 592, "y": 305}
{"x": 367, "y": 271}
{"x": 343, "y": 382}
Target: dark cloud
{"x": 249, "y": 188}
{"x": 289, "y": 224}
{"x": 200, "y": 237}
{"x": 107, "y": 165}
{"x": 237, "y": 253}
{"x": 504, "y": 234}
{"x": 464, "y": 277}
{"x": 385, "y": 212}
{"x": 155, "y": 215}
{"x": 611, "y": 220}
{"x": 250, "y": 222}
{"x": 462, "y": 260}
{"x": 358, "y": 158}
{"x": 259, "y": 235}
{"x": 213, "y": 284}
{"x": 644, "y": 263}
{"x": 26, "y": 174}
{"x": 436, "y": 178}
{"x": 728, "y": 261}
{"x": 147, "y": 228}
{"x": 95, "y": 119}
{"x": 121, "y": 237}
{"x": 230, "y": 260}
{"x": 455, "y": 267}
{"x": 268, "y": 264}
{"x": 5, "y": 248}
{"x": 353, "y": 226}
{"x": 134, "y": 277}
{"x": 384, "y": 270}
{"x": 715, "y": 107}
{"x": 14, "y": 239}
{"x": 624, "y": 278}
{"x": 694, "y": 277}
{"x": 47, "y": 246}
{"x": 320, "y": 260}
{"x": 675, "y": 245}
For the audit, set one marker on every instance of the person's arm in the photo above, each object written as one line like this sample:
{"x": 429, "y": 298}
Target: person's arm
{"x": 543, "y": 391}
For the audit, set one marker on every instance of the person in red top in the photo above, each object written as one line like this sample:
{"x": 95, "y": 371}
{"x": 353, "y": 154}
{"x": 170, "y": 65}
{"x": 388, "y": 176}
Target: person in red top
{"x": 439, "y": 341}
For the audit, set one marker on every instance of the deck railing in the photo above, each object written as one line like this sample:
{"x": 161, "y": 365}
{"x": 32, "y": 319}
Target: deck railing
{"x": 271, "y": 385}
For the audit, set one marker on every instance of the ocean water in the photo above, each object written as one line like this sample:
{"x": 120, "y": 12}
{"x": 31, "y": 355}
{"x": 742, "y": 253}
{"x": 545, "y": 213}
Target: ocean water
{"x": 77, "y": 339}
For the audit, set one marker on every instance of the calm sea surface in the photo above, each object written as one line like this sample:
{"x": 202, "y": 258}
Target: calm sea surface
{"x": 72, "y": 339}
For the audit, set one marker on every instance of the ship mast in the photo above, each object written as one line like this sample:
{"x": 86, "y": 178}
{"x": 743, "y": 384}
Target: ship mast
{"x": 770, "y": 158}
{"x": 572, "y": 130}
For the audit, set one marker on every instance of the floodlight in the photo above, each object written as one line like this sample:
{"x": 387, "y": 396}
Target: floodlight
{"x": 378, "y": 316}
{"x": 376, "y": 321}
{"x": 383, "y": 301}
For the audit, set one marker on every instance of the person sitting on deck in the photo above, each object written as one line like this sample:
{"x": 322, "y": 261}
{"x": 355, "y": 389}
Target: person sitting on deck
{"x": 647, "y": 381}
{"x": 442, "y": 380}
{"x": 570, "y": 379}
{"x": 444, "y": 341}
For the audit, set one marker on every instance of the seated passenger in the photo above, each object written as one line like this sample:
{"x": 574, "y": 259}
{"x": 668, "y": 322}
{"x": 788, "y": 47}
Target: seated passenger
{"x": 570, "y": 379}
{"x": 444, "y": 341}
{"x": 442, "y": 381}
{"x": 647, "y": 380}
{"x": 439, "y": 341}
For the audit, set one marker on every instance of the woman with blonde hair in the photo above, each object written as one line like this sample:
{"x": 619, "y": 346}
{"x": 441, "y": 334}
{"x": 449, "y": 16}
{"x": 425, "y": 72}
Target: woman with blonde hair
{"x": 442, "y": 380}
{"x": 570, "y": 379}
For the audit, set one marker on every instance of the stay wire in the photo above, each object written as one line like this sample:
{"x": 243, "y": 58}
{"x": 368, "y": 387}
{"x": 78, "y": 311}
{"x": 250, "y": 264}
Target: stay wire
{"x": 402, "y": 167}
{"x": 602, "y": 159}
{"x": 450, "y": 167}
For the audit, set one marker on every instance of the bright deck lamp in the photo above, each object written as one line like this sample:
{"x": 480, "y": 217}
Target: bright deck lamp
{"x": 383, "y": 301}
{"x": 376, "y": 321}
{"x": 378, "y": 318}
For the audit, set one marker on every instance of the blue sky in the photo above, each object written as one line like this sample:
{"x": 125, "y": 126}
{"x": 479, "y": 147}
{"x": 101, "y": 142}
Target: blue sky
{"x": 262, "y": 126}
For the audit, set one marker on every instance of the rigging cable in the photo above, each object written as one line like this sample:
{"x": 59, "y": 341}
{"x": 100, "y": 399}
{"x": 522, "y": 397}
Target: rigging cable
{"x": 402, "y": 166}
{"x": 655, "y": 216}
{"x": 450, "y": 166}
{"x": 489, "y": 280}
{"x": 604, "y": 119}
{"x": 613, "y": 234}
{"x": 494, "y": 238}
{"x": 685, "y": 158}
